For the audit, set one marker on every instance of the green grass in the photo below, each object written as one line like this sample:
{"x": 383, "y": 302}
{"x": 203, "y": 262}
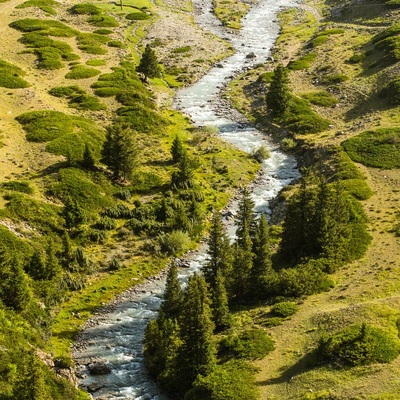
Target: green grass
{"x": 321, "y": 98}
{"x": 184, "y": 49}
{"x": 82, "y": 72}
{"x": 67, "y": 134}
{"x": 85, "y": 9}
{"x": 45, "y": 5}
{"x": 333, "y": 79}
{"x": 10, "y": 76}
{"x": 303, "y": 62}
{"x": 137, "y": 16}
{"x": 379, "y": 148}
{"x": 103, "y": 21}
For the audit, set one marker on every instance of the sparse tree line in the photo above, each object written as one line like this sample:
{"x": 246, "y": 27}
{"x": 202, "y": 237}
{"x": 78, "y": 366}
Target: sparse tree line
{"x": 324, "y": 228}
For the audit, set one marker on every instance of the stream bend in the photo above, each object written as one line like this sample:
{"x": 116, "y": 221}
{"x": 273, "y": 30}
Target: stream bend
{"x": 114, "y": 337}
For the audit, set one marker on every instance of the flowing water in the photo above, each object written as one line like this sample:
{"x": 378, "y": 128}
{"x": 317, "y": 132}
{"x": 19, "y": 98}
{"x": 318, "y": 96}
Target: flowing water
{"x": 115, "y": 337}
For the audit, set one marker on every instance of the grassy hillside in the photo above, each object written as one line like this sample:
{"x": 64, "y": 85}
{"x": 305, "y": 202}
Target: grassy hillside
{"x": 343, "y": 62}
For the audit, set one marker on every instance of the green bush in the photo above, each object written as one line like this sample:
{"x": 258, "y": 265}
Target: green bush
{"x": 260, "y": 154}
{"x": 10, "y": 76}
{"x": 44, "y": 27}
{"x": 17, "y": 186}
{"x": 137, "y": 16}
{"x": 95, "y": 63}
{"x": 81, "y": 72}
{"x": 358, "y": 188}
{"x": 45, "y": 5}
{"x": 233, "y": 380}
{"x": 85, "y": 8}
{"x": 321, "y": 98}
{"x": 379, "y": 149}
{"x": 91, "y": 43}
{"x": 184, "y": 49}
{"x": 86, "y": 102}
{"x": 318, "y": 41}
{"x": 251, "y": 344}
{"x": 103, "y": 21}
{"x": 302, "y": 63}
{"x": 103, "y": 31}
{"x": 389, "y": 42}
{"x": 285, "y": 309}
{"x": 66, "y": 91}
{"x": 116, "y": 43}
{"x": 356, "y": 58}
{"x": 359, "y": 344}
{"x": 287, "y": 144}
{"x": 333, "y": 79}
{"x": 174, "y": 243}
{"x": 392, "y": 92}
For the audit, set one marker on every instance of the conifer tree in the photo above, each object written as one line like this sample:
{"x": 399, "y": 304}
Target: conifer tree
{"x": 245, "y": 219}
{"x": 196, "y": 356}
{"x": 183, "y": 178}
{"x": 173, "y": 295}
{"x": 120, "y": 152}
{"x": 73, "y": 214}
{"x": 148, "y": 64}
{"x": 220, "y": 308}
{"x": 88, "y": 160}
{"x": 219, "y": 251}
{"x": 36, "y": 267}
{"x": 278, "y": 95}
{"x": 177, "y": 149}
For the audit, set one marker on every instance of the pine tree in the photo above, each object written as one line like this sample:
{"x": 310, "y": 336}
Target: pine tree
{"x": 219, "y": 252}
{"x": 245, "y": 219}
{"x": 88, "y": 160}
{"x": 36, "y": 267}
{"x": 66, "y": 253}
{"x": 120, "y": 152}
{"x": 177, "y": 149}
{"x": 183, "y": 178}
{"x": 278, "y": 95}
{"x": 220, "y": 309}
{"x": 148, "y": 64}
{"x": 73, "y": 214}
{"x": 196, "y": 356}
{"x": 173, "y": 295}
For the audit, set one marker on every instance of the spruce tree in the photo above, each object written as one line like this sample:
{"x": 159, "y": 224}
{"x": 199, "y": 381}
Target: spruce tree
{"x": 196, "y": 356}
{"x": 36, "y": 267}
{"x": 245, "y": 219}
{"x": 219, "y": 251}
{"x": 183, "y": 178}
{"x": 220, "y": 308}
{"x": 73, "y": 214}
{"x": 148, "y": 64}
{"x": 173, "y": 295}
{"x": 278, "y": 96}
{"x": 177, "y": 149}
{"x": 88, "y": 160}
{"x": 120, "y": 152}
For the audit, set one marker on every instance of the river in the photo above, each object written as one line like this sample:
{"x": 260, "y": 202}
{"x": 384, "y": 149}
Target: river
{"x": 114, "y": 338}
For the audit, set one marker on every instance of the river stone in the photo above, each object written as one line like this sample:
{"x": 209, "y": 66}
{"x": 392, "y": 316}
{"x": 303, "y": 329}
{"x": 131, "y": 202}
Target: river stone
{"x": 99, "y": 368}
{"x": 251, "y": 55}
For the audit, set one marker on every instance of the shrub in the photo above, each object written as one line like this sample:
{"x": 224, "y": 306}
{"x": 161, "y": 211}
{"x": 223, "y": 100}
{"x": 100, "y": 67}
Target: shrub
{"x": 95, "y": 63}
{"x": 43, "y": 27}
{"x": 118, "y": 211}
{"x": 103, "y": 31}
{"x": 392, "y": 92}
{"x": 379, "y": 149}
{"x": 260, "y": 154}
{"x": 358, "y": 188}
{"x": 359, "y": 344}
{"x": 91, "y": 43}
{"x": 285, "y": 309}
{"x": 251, "y": 344}
{"x": 105, "y": 224}
{"x": 320, "y": 98}
{"x": 86, "y": 102}
{"x": 318, "y": 41}
{"x": 332, "y": 79}
{"x": 116, "y": 43}
{"x": 288, "y": 144}
{"x": 302, "y": 63}
{"x": 103, "y": 21}
{"x": 174, "y": 243}
{"x": 356, "y": 58}
{"x": 184, "y": 49}
{"x": 81, "y": 72}
{"x": 66, "y": 91}
{"x": 85, "y": 8}
{"x": 45, "y": 5}
{"x": 233, "y": 380}
{"x": 17, "y": 186}
{"x": 10, "y": 76}
{"x": 137, "y": 16}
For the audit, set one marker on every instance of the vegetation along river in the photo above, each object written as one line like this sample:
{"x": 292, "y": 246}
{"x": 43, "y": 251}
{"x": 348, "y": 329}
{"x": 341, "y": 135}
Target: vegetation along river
{"x": 113, "y": 339}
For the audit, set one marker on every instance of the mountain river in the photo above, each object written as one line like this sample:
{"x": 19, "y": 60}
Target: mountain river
{"x": 114, "y": 337}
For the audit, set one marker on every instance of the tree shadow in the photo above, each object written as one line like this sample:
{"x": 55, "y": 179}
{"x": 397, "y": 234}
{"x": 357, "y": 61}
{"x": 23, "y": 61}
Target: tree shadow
{"x": 305, "y": 364}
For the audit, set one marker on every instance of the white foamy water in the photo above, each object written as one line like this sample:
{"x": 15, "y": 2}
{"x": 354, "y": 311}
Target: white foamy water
{"x": 116, "y": 339}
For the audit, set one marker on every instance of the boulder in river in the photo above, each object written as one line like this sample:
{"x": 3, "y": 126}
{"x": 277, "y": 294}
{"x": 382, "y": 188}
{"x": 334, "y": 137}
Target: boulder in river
{"x": 251, "y": 55}
{"x": 99, "y": 368}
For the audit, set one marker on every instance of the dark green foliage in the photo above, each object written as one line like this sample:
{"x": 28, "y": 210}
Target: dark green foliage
{"x": 172, "y": 304}
{"x": 252, "y": 344}
{"x": 74, "y": 215}
{"x": 103, "y": 21}
{"x": 137, "y": 16}
{"x": 183, "y": 177}
{"x": 118, "y": 211}
{"x": 392, "y": 92}
{"x": 358, "y": 345}
{"x": 261, "y": 154}
{"x": 11, "y": 76}
{"x": 379, "y": 148}
{"x": 174, "y": 242}
{"x": 43, "y": 27}
{"x": 85, "y": 8}
{"x": 177, "y": 149}
{"x": 285, "y": 309}
{"x": 322, "y": 37}
{"x": 103, "y": 31}
{"x": 114, "y": 264}
{"x": 105, "y": 224}
{"x": 17, "y": 186}
{"x": 388, "y": 41}
{"x": 120, "y": 152}
{"x": 278, "y": 95}
{"x": 66, "y": 91}
{"x": 116, "y": 43}
{"x": 148, "y": 64}
{"x": 321, "y": 98}
{"x": 81, "y": 72}
{"x": 92, "y": 43}
{"x": 219, "y": 303}
{"x": 233, "y": 380}
{"x": 332, "y": 79}
{"x": 299, "y": 118}
{"x": 89, "y": 160}
{"x": 357, "y": 58}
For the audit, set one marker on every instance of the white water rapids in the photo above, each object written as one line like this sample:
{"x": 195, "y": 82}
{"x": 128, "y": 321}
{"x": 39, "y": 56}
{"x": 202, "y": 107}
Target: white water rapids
{"x": 115, "y": 338}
